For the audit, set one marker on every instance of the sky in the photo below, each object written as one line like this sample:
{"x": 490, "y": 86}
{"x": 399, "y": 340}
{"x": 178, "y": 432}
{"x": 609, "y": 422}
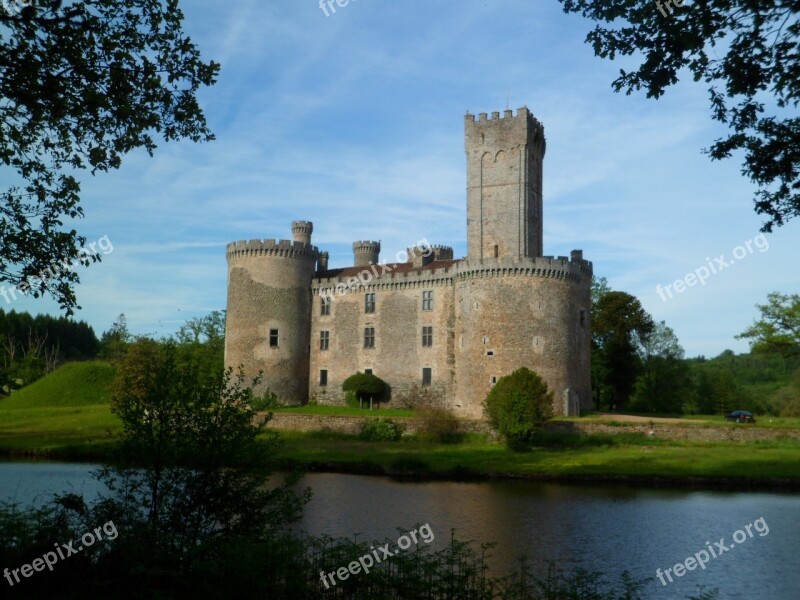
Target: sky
{"x": 355, "y": 121}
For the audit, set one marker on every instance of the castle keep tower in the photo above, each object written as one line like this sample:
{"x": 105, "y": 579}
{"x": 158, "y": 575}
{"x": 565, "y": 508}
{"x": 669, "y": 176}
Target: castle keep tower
{"x": 504, "y": 185}
{"x": 268, "y": 323}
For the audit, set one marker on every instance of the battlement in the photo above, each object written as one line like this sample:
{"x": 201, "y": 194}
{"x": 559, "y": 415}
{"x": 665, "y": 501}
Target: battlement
{"x": 560, "y": 267}
{"x": 302, "y": 230}
{"x": 392, "y": 277}
{"x": 283, "y": 248}
{"x": 442, "y": 252}
{"x": 366, "y": 252}
{"x": 507, "y": 114}
{"x": 507, "y": 130}
{"x": 523, "y": 114}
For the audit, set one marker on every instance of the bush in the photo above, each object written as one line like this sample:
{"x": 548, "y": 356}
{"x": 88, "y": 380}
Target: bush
{"x": 266, "y": 402}
{"x": 440, "y": 425}
{"x": 381, "y": 430}
{"x": 518, "y": 406}
{"x": 363, "y": 387}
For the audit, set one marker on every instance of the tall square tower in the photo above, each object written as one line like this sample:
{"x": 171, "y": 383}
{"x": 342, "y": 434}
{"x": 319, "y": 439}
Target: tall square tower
{"x": 504, "y": 185}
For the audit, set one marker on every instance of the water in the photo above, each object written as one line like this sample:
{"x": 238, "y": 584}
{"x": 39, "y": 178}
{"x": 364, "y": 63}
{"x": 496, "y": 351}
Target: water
{"x": 602, "y": 528}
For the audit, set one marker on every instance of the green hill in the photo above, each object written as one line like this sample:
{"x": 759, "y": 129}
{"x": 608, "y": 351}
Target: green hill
{"x": 74, "y": 384}
{"x": 68, "y": 410}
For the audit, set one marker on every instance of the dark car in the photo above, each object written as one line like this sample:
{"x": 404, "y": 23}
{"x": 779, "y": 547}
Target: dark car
{"x": 740, "y": 416}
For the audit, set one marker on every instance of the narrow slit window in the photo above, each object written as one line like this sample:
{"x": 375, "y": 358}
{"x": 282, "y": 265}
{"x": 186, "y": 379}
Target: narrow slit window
{"x": 273, "y": 338}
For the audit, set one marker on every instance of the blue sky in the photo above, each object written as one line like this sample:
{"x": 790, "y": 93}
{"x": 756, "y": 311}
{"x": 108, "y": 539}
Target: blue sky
{"x": 355, "y": 122}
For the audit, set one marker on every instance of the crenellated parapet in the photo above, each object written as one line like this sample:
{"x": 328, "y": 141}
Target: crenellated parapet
{"x": 383, "y": 278}
{"x": 431, "y": 251}
{"x": 386, "y": 277}
{"x": 522, "y": 128}
{"x": 366, "y": 253}
{"x": 277, "y": 248}
{"x": 302, "y": 230}
{"x": 559, "y": 267}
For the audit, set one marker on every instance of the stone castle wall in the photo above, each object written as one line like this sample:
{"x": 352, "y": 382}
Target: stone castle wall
{"x": 489, "y": 318}
{"x": 504, "y": 185}
{"x": 268, "y": 288}
{"x": 398, "y": 356}
{"x": 502, "y": 308}
{"x": 525, "y": 313}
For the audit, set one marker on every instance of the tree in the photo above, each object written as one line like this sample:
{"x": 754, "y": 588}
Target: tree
{"x": 518, "y": 405}
{"x": 114, "y": 342}
{"x": 600, "y": 392}
{"x": 202, "y": 341}
{"x": 82, "y": 84}
{"x": 664, "y": 383}
{"x": 754, "y": 87}
{"x": 778, "y": 330}
{"x": 365, "y": 387}
{"x": 619, "y": 326}
{"x": 194, "y": 455}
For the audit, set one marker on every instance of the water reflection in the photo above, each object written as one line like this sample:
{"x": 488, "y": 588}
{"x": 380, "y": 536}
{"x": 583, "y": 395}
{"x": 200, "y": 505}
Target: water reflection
{"x": 608, "y": 529}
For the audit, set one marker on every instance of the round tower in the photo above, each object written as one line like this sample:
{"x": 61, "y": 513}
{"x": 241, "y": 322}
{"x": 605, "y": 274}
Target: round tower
{"x": 301, "y": 231}
{"x": 530, "y": 313}
{"x": 268, "y": 325}
{"x": 366, "y": 253}
{"x": 324, "y": 257}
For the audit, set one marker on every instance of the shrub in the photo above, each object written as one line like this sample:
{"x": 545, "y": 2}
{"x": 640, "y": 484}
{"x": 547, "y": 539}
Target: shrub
{"x": 266, "y": 402}
{"x": 518, "y": 405}
{"x": 381, "y": 430}
{"x": 440, "y": 425}
{"x": 364, "y": 386}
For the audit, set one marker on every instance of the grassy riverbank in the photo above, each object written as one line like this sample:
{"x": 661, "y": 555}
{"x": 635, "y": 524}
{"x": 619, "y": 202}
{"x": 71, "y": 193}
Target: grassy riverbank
{"x": 623, "y": 456}
{"x": 67, "y": 416}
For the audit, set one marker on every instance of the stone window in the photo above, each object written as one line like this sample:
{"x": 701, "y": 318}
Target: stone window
{"x": 323, "y": 377}
{"x": 427, "y": 300}
{"x": 369, "y": 303}
{"x": 324, "y": 340}
{"x": 273, "y": 338}
{"x": 494, "y": 379}
{"x": 325, "y": 307}
{"x": 368, "y": 371}
{"x": 427, "y": 376}
{"x": 427, "y": 336}
{"x": 369, "y": 337}
{"x": 583, "y": 318}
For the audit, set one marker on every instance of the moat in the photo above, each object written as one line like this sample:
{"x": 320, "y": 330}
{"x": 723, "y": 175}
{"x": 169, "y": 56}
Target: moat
{"x": 603, "y": 528}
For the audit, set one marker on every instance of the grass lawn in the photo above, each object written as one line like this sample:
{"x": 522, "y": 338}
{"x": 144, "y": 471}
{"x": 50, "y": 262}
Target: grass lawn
{"x": 67, "y": 415}
{"x": 67, "y": 411}
{"x": 626, "y": 455}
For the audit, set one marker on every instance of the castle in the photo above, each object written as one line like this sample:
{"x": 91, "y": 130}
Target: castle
{"x": 438, "y": 330}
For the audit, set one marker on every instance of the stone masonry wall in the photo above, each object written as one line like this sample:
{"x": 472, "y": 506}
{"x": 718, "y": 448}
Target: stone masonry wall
{"x": 352, "y": 425}
{"x": 398, "y": 356}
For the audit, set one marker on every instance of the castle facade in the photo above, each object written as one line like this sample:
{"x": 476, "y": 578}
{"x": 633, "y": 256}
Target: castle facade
{"x": 440, "y": 331}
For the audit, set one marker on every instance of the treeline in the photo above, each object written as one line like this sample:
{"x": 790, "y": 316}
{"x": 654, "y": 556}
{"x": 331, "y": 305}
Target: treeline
{"x": 639, "y": 365}
{"x": 31, "y": 347}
